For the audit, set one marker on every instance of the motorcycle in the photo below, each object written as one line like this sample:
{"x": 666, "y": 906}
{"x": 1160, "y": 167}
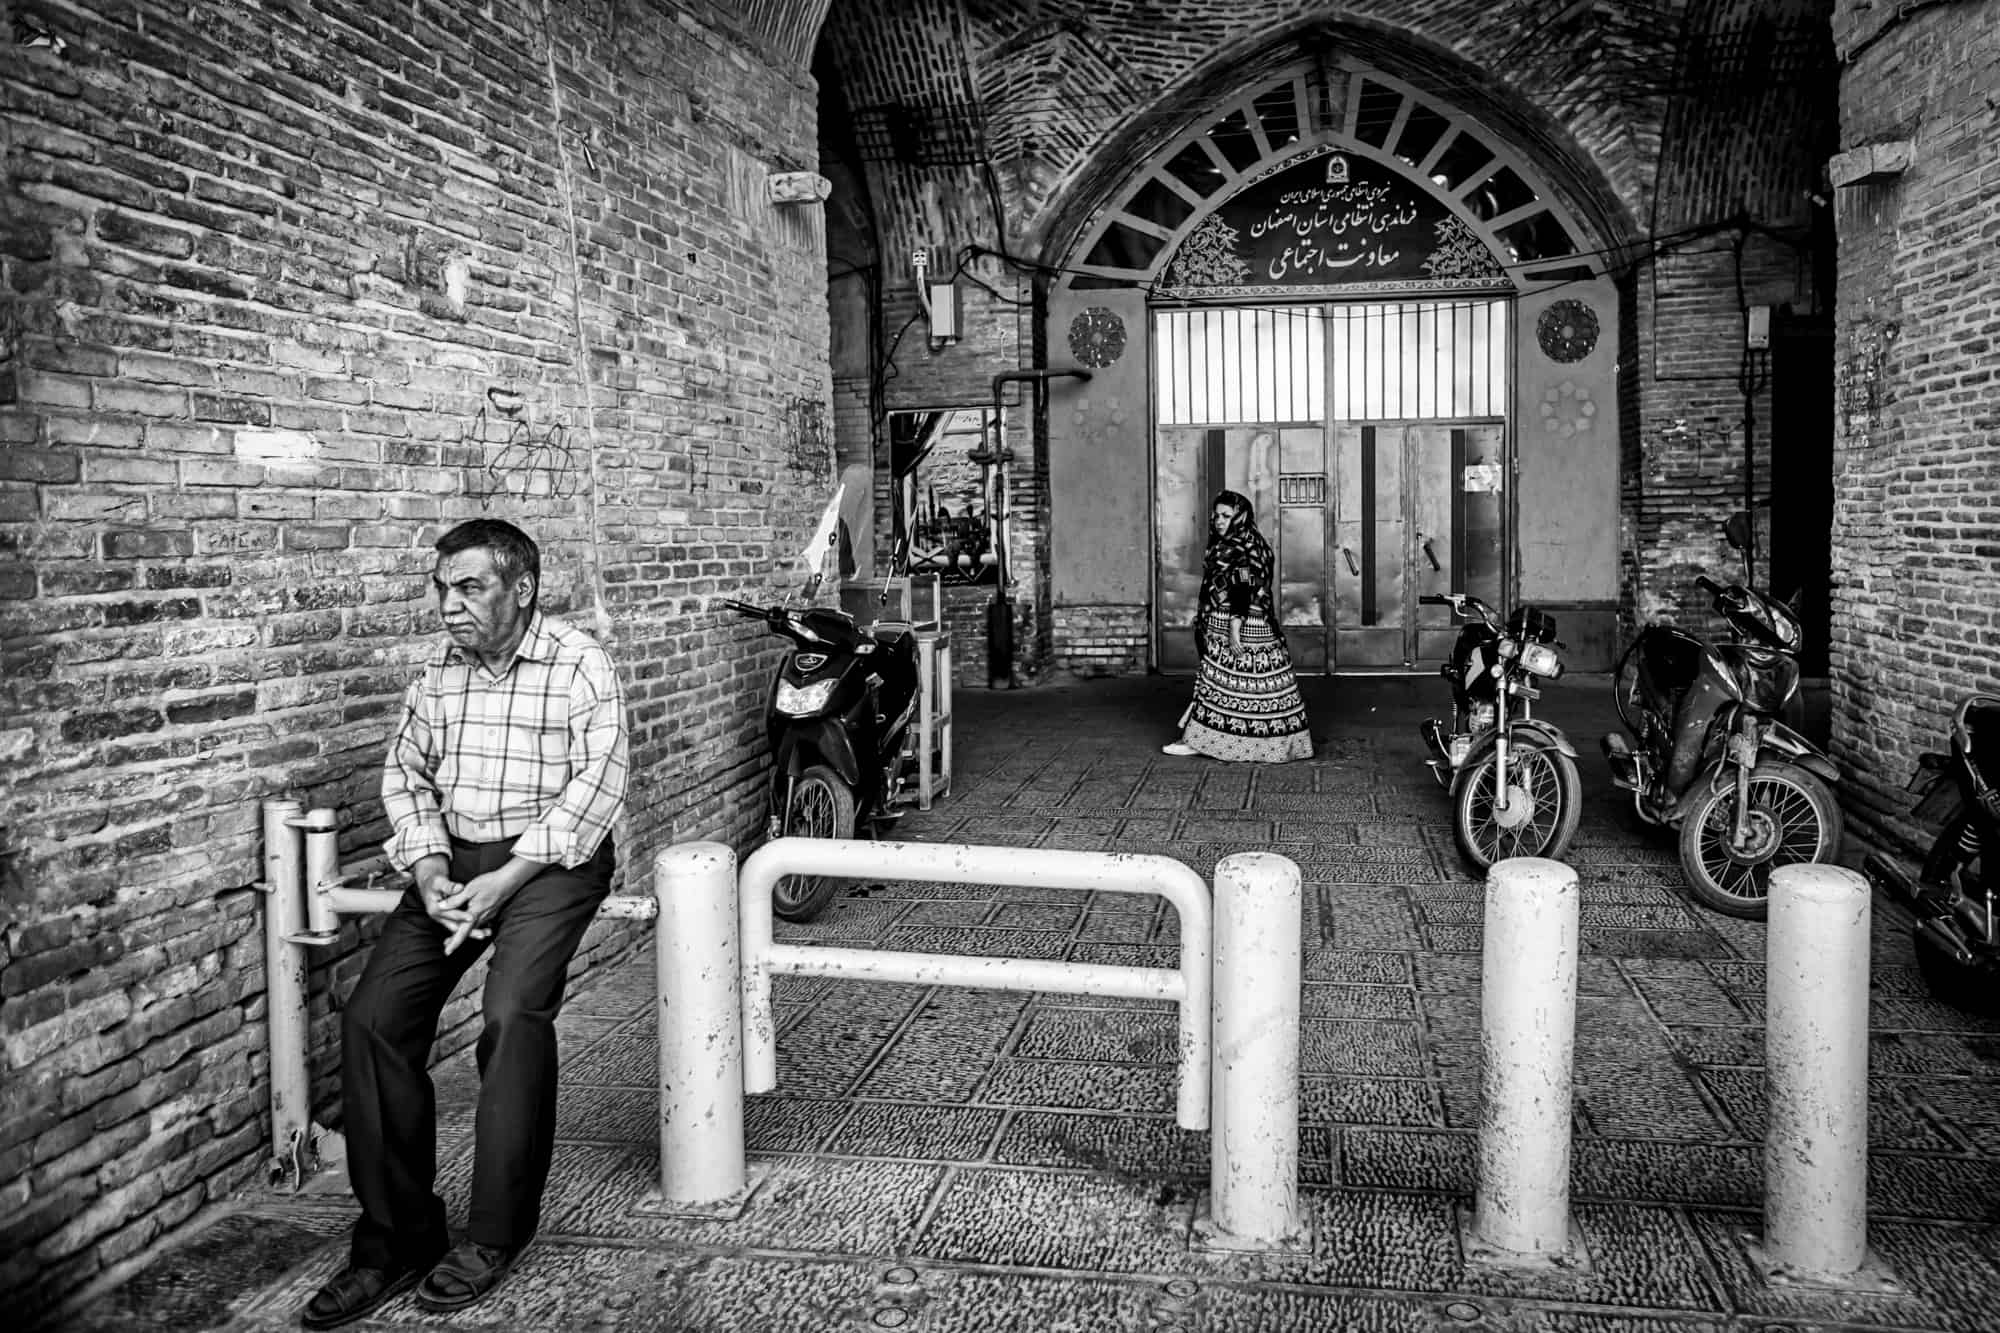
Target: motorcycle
{"x": 837, "y": 718}
{"x": 1708, "y": 755}
{"x": 1958, "y": 949}
{"x": 1513, "y": 779}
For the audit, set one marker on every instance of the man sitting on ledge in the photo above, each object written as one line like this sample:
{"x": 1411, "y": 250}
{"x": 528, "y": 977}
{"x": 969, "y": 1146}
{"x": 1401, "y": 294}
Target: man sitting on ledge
{"x": 506, "y": 773}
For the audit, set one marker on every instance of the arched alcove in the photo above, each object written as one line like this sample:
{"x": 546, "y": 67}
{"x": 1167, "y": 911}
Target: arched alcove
{"x": 1375, "y": 312}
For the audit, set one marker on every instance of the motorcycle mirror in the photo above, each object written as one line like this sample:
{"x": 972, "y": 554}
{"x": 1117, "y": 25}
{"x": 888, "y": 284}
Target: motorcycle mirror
{"x": 1736, "y": 530}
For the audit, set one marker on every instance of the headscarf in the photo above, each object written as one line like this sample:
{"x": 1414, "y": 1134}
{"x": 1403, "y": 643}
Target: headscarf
{"x": 1236, "y": 571}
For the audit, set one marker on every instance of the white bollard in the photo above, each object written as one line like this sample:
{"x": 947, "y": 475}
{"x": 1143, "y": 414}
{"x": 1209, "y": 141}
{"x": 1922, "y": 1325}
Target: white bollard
{"x": 1527, "y": 1037}
{"x": 1254, "y": 1117}
{"x": 1816, "y": 1071}
{"x": 701, "y": 1034}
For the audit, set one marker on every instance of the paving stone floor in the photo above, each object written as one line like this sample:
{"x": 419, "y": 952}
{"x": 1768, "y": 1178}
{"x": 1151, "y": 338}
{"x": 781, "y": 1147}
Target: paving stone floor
{"x": 941, "y": 1160}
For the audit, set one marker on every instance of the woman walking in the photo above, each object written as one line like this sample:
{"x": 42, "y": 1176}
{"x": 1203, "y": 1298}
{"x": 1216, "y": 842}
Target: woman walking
{"x": 1246, "y": 699}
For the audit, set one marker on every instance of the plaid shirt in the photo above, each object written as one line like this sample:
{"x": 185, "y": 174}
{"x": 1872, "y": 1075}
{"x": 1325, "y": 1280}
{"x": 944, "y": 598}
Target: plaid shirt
{"x": 535, "y": 752}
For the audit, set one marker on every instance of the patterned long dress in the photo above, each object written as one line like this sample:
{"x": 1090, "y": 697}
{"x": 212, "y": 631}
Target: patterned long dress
{"x": 1247, "y": 705}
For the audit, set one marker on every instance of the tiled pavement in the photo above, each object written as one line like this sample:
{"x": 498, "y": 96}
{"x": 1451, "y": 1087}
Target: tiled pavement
{"x": 942, "y": 1160}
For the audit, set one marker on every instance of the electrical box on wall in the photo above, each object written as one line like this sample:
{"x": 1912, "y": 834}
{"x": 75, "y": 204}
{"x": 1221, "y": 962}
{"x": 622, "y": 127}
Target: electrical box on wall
{"x": 944, "y": 310}
{"x": 1759, "y": 328}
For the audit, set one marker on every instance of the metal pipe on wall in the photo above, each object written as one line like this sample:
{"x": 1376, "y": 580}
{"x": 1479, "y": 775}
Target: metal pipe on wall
{"x": 285, "y": 983}
{"x": 322, "y": 830}
{"x": 306, "y": 896}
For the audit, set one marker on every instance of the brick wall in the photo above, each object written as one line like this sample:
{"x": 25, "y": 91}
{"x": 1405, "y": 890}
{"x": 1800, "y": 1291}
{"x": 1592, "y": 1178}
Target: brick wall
{"x": 292, "y": 289}
{"x": 1917, "y": 405}
{"x": 1685, "y": 375}
{"x": 1103, "y": 640}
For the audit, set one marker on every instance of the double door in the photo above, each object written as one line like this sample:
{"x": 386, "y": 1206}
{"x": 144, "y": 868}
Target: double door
{"x": 1363, "y": 519}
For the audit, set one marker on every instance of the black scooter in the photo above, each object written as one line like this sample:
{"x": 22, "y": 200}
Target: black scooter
{"x": 838, "y": 715}
{"x": 1707, "y": 754}
{"x": 1958, "y": 948}
{"x": 1513, "y": 779}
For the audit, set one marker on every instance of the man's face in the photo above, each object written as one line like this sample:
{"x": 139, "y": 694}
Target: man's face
{"x": 482, "y": 612}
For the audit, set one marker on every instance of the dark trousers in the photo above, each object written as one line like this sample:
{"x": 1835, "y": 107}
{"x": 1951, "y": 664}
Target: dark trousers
{"x": 387, "y": 1030}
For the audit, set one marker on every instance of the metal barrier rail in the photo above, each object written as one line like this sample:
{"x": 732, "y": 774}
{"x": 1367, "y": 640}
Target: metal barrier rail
{"x": 306, "y": 897}
{"x": 1016, "y": 867}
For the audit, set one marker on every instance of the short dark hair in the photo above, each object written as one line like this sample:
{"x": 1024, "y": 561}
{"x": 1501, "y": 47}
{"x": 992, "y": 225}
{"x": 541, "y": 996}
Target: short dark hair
{"x": 514, "y": 551}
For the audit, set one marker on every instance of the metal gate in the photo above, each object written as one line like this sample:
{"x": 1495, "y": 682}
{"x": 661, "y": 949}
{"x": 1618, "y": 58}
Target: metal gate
{"x": 1371, "y": 440}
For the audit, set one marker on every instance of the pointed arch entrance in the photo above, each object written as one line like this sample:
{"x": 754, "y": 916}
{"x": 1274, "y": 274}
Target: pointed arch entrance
{"x": 1337, "y": 282}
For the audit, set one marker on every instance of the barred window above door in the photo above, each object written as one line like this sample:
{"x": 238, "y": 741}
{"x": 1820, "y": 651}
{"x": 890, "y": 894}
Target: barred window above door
{"x": 1363, "y": 361}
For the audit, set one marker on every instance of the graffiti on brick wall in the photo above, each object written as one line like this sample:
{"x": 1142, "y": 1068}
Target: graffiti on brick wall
{"x": 523, "y": 459}
{"x": 1859, "y": 383}
{"x": 808, "y": 442}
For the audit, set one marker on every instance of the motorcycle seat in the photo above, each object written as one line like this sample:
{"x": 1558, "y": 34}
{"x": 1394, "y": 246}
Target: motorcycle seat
{"x": 897, "y": 641}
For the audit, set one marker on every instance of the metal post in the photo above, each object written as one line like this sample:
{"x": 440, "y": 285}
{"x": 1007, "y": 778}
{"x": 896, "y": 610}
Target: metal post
{"x": 1254, "y": 1158}
{"x": 1528, "y": 1042}
{"x": 927, "y": 662}
{"x": 322, "y": 828}
{"x": 944, "y": 689}
{"x": 701, "y": 1035}
{"x": 285, "y": 980}
{"x": 1816, "y": 1071}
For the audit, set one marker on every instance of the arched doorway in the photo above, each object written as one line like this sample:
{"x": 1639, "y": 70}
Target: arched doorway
{"x": 1365, "y": 309}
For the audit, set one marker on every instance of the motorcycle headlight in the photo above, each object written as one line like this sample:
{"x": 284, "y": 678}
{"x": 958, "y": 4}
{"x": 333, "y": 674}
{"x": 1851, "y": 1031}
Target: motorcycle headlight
{"x": 1538, "y": 659}
{"x": 799, "y": 700}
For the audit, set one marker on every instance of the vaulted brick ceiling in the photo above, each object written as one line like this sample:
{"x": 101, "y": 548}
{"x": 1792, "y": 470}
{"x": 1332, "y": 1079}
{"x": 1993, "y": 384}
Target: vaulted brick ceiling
{"x": 1666, "y": 115}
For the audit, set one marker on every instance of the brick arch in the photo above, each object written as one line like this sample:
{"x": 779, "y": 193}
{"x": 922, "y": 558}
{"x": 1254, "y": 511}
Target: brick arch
{"x": 1502, "y": 201}
{"x": 1424, "y": 113}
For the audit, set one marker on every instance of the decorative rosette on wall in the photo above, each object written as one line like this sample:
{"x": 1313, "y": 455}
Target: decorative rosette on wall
{"x": 1567, "y": 410}
{"x": 1097, "y": 337}
{"x": 1567, "y": 331}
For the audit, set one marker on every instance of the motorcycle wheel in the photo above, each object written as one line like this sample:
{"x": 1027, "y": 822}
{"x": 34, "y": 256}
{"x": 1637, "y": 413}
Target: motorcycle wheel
{"x": 1794, "y": 819}
{"x": 822, "y": 807}
{"x": 1537, "y": 816}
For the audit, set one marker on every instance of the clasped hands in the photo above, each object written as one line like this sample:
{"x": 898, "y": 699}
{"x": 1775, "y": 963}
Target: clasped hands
{"x": 466, "y": 910}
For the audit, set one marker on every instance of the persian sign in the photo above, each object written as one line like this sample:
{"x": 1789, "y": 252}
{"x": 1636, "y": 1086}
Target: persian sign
{"x": 1327, "y": 222}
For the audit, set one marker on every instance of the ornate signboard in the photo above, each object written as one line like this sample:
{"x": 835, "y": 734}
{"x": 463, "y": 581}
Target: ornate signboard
{"x": 1326, "y": 223}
